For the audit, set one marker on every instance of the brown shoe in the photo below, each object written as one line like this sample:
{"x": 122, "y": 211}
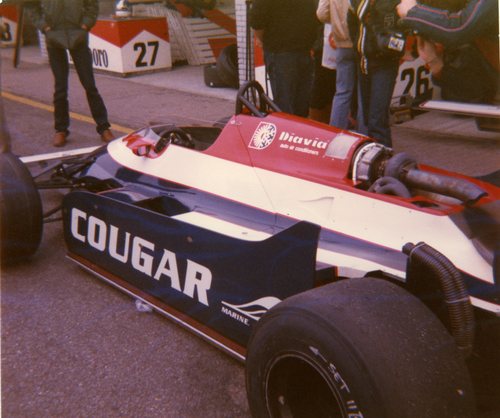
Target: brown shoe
{"x": 59, "y": 139}
{"x": 107, "y": 135}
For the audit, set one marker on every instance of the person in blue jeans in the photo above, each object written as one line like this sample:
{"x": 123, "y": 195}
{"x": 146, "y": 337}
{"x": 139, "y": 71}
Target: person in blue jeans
{"x": 66, "y": 25}
{"x": 371, "y": 24}
{"x": 82, "y": 60}
{"x": 335, "y": 13}
{"x": 325, "y": 72}
{"x": 376, "y": 88}
{"x": 291, "y": 78}
{"x": 347, "y": 71}
{"x": 286, "y": 30}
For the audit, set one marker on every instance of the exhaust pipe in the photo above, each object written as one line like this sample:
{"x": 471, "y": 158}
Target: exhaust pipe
{"x": 403, "y": 167}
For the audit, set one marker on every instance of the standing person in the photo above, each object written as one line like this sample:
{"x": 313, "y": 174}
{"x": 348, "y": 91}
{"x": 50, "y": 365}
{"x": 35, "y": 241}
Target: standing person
{"x": 372, "y": 26}
{"x": 335, "y": 12}
{"x": 66, "y": 25}
{"x": 323, "y": 86}
{"x": 458, "y": 40}
{"x": 286, "y": 29}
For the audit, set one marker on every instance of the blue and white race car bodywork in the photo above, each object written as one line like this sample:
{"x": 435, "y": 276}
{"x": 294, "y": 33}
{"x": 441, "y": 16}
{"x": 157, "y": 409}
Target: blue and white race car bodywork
{"x": 230, "y": 230}
{"x": 271, "y": 207}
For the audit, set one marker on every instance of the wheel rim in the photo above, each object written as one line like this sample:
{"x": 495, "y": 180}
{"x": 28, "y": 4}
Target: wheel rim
{"x": 297, "y": 387}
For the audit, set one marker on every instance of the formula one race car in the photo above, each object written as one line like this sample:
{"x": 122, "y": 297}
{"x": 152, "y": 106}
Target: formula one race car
{"x": 353, "y": 281}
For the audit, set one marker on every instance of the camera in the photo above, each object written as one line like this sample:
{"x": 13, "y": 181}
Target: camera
{"x": 391, "y": 42}
{"x": 396, "y": 42}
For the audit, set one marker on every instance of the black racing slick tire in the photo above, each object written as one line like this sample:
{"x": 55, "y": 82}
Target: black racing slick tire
{"x": 227, "y": 66}
{"x": 21, "y": 219}
{"x": 355, "y": 348}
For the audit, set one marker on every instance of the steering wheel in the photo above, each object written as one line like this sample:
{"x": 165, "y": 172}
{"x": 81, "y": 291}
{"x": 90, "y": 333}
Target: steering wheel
{"x": 252, "y": 97}
{"x": 175, "y": 136}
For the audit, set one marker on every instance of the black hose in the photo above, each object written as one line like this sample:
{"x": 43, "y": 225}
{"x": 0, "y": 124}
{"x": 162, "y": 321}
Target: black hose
{"x": 404, "y": 168}
{"x": 456, "y": 297}
{"x": 461, "y": 189}
{"x": 390, "y": 186}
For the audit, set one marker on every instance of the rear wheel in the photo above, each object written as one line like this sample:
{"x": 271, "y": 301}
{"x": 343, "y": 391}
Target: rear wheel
{"x": 21, "y": 211}
{"x": 360, "y": 347}
{"x": 227, "y": 66}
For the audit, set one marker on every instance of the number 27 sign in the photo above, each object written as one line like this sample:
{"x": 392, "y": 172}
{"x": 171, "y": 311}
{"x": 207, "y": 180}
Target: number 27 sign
{"x": 130, "y": 46}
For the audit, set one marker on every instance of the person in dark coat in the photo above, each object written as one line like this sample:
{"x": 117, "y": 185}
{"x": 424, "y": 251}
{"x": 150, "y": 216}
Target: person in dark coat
{"x": 373, "y": 28}
{"x": 66, "y": 25}
{"x": 287, "y": 29}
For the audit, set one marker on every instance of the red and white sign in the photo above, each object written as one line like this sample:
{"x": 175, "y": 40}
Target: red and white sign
{"x": 131, "y": 45}
{"x": 9, "y": 18}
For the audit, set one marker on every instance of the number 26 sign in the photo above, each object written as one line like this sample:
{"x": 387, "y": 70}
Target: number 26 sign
{"x": 131, "y": 45}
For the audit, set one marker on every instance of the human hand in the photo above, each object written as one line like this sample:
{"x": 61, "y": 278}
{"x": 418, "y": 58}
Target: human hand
{"x": 407, "y": 56}
{"x": 427, "y": 50}
{"x": 331, "y": 41}
{"x": 431, "y": 54}
{"x": 405, "y": 5}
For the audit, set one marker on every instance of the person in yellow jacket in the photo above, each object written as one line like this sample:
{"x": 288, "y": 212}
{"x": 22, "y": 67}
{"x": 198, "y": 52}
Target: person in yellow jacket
{"x": 380, "y": 46}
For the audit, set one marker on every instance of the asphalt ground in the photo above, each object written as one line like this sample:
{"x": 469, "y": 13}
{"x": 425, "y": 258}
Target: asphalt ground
{"x": 72, "y": 346}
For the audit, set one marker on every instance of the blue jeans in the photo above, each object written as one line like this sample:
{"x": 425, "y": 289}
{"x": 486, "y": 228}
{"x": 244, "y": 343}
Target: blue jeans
{"x": 82, "y": 59}
{"x": 291, "y": 75}
{"x": 376, "y": 93}
{"x": 346, "y": 81}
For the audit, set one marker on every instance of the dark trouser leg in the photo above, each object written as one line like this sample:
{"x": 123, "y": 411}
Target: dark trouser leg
{"x": 82, "y": 59}
{"x": 364, "y": 102}
{"x": 302, "y": 83}
{"x": 291, "y": 75}
{"x": 281, "y": 96}
{"x": 377, "y": 88}
{"x": 345, "y": 88}
{"x": 58, "y": 60}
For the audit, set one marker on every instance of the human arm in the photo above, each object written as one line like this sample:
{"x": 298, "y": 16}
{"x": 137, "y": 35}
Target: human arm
{"x": 338, "y": 13}
{"x": 404, "y": 6}
{"x": 323, "y": 11}
{"x": 37, "y": 17}
{"x": 258, "y": 21}
{"x": 89, "y": 14}
{"x": 446, "y": 27}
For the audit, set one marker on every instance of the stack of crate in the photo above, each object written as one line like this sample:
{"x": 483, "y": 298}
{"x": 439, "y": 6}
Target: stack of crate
{"x": 179, "y": 47}
{"x": 195, "y": 39}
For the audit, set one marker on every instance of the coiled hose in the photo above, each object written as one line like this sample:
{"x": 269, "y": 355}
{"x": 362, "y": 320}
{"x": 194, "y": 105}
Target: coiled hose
{"x": 456, "y": 297}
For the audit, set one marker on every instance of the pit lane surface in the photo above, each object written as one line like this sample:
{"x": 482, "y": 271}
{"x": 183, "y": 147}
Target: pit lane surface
{"x": 72, "y": 346}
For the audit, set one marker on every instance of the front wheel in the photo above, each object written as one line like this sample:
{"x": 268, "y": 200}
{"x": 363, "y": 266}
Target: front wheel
{"x": 21, "y": 219}
{"x": 356, "y": 348}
